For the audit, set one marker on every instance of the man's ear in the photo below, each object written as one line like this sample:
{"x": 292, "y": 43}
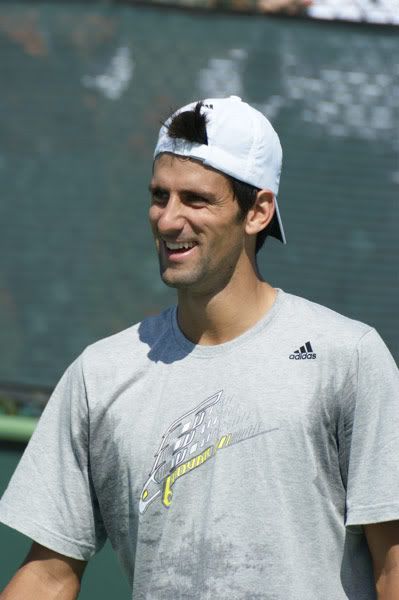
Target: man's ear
{"x": 261, "y": 212}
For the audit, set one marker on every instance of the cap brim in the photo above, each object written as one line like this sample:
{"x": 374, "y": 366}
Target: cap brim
{"x": 276, "y": 228}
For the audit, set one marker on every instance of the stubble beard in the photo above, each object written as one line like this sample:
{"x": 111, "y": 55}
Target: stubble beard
{"x": 203, "y": 278}
{"x": 183, "y": 278}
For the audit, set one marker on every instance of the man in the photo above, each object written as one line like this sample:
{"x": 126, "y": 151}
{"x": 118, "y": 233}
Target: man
{"x": 241, "y": 445}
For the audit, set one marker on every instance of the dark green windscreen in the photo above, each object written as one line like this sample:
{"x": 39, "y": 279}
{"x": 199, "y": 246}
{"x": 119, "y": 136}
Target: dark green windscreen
{"x": 83, "y": 90}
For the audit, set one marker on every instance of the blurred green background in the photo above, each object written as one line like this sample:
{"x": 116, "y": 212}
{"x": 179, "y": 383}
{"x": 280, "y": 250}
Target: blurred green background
{"x": 84, "y": 87}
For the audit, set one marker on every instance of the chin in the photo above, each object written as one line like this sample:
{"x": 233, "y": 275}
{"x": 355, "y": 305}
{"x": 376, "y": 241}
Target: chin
{"x": 178, "y": 281}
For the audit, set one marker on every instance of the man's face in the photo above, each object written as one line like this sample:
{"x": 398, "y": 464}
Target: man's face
{"x": 195, "y": 221}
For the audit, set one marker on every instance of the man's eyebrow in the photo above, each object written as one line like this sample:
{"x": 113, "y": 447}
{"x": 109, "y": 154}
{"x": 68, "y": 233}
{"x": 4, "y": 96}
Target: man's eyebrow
{"x": 202, "y": 193}
{"x": 188, "y": 192}
{"x": 152, "y": 187}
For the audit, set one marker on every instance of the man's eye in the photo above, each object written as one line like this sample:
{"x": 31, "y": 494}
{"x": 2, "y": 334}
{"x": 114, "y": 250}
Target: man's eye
{"x": 195, "y": 199}
{"x": 159, "y": 196}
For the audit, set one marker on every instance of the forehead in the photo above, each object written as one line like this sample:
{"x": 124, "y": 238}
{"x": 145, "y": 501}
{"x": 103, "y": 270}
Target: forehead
{"x": 173, "y": 172}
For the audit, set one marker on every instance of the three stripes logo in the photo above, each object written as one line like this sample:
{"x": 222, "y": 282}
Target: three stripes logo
{"x": 304, "y": 352}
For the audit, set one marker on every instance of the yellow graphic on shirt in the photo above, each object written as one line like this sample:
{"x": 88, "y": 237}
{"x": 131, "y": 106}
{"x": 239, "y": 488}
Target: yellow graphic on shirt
{"x": 189, "y": 466}
{"x": 180, "y": 471}
{"x": 188, "y": 443}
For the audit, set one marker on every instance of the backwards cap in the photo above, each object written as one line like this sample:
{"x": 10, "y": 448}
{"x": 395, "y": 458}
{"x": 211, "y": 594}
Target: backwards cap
{"x": 241, "y": 143}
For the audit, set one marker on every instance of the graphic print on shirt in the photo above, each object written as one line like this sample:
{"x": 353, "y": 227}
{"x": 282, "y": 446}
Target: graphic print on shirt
{"x": 190, "y": 442}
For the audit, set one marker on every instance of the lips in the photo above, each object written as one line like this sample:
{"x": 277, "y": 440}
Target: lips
{"x": 178, "y": 250}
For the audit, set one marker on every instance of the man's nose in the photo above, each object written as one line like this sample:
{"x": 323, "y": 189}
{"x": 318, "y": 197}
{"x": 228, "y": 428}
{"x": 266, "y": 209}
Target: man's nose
{"x": 171, "y": 217}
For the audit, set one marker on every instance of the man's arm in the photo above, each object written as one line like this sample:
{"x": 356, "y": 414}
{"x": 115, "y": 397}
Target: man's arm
{"x": 383, "y": 542}
{"x": 45, "y": 575}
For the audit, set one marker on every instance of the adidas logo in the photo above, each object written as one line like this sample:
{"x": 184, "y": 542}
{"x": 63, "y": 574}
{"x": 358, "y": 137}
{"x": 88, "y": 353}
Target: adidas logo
{"x": 305, "y": 351}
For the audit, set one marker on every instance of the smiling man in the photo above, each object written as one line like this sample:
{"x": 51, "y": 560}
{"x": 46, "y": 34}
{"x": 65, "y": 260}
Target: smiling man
{"x": 243, "y": 444}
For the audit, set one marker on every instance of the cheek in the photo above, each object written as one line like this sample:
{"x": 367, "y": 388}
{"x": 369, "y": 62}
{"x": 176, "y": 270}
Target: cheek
{"x": 231, "y": 234}
{"x": 225, "y": 244}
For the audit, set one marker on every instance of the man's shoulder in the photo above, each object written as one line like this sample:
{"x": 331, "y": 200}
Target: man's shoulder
{"x": 323, "y": 314}
{"x": 328, "y": 326}
{"x": 130, "y": 343}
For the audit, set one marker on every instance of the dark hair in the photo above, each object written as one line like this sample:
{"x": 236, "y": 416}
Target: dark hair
{"x": 190, "y": 125}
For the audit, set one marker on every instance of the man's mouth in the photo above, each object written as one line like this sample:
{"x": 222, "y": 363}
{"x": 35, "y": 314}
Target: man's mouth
{"x": 178, "y": 249}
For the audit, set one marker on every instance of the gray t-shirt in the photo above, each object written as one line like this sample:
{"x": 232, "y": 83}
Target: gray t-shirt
{"x": 242, "y": 470}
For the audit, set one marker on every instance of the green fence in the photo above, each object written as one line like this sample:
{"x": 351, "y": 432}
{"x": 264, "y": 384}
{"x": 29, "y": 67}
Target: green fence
{"x": 84, "y": 87}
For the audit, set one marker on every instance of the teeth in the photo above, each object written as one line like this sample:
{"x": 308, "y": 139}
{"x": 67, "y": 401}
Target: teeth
{"x": 185, "y": 245}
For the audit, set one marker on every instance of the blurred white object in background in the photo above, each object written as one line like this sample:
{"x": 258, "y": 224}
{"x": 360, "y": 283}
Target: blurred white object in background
{"x": 371, "y": 11}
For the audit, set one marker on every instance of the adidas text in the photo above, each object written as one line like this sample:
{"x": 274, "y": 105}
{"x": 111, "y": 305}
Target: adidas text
{"x": 302, "y": 356}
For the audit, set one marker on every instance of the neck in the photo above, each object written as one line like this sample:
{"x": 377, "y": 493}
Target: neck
{"x": 210, "y": 319}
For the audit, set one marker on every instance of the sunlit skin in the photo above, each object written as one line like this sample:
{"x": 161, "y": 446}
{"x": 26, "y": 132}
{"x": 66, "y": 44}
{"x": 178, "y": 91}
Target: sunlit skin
{"x": 220, "y": 292}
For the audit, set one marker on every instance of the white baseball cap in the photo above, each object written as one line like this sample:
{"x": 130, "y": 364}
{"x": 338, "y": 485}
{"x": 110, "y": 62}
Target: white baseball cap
{"x": 241, "y": 143}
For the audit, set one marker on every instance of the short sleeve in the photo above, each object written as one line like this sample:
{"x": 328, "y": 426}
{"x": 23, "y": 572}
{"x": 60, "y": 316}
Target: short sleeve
{"x": 372, "y": 424}
{"x": 50, "y": 497}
